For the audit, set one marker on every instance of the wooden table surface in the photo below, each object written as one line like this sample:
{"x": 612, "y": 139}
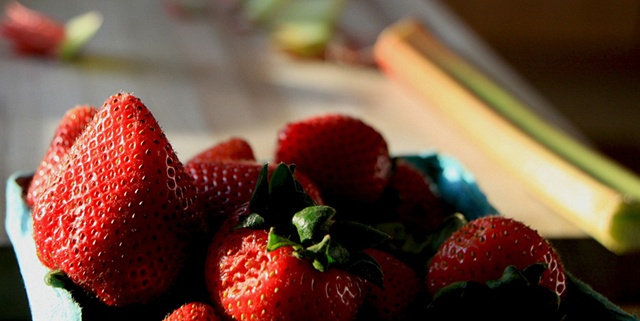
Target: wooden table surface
{"x": 206, "y": 80}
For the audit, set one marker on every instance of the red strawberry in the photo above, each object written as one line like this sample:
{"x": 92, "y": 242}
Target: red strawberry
{"x": 345, "y": 157}
{"x": 280, "y": 262}
{"x": 401, "y": 288}
{"x": 249, "y": 282}
{"x": 193, "y": 311}
{"x": 308, "y": 185}
{"x": 482, "y": 249}
{"x": 31, "y": 32}
{"x": 234, "y": 148}
{"x": 117, "y": 217}
{"x": 70, "y": 127}
{"x": 419, "y": 206}
{"x": 224, "y": 185}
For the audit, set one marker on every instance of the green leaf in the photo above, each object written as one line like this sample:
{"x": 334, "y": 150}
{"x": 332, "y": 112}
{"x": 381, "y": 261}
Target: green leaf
{"x": 511, "y": 297}
{"x": 319, "y": 252}
{"x": 275, "y": 241}
{"x": 357, "y": 236}
{"x": 534, "y": 272}
{"x": 253, "y": 221}
{"x": 280, "y": 204}
{"x": 313, "y": 222}
{"x": 337, "y": 253}
{"x": 584, "y": 303}
{"x": 282, "y": 180}
{"x": 366, "y": 267}
{"x": 279, "y": 197}
{"x": 260, "y": 197}
{"x": 511, "y": 277}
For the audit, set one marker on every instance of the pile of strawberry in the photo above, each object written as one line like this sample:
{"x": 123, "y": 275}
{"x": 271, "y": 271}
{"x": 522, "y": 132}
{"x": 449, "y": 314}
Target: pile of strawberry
{"x": 334, "y": 228}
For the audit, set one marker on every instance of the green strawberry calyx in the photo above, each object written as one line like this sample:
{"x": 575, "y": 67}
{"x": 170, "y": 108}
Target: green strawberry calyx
{"x": 515, "y": 293}
{"x": 57, "y": 279}
{"x": 293, "y": 219}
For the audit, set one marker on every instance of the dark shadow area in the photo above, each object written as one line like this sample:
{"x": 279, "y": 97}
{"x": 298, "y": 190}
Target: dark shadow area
{"x": 15, "y": 305}
{"x": 583, "y": 57}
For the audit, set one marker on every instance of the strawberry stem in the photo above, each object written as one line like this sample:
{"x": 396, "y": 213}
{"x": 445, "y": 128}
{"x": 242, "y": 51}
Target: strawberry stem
{"x": 281, "y": 205}
{"x": 57, "y": 279}
{"x": 275, "y": 201}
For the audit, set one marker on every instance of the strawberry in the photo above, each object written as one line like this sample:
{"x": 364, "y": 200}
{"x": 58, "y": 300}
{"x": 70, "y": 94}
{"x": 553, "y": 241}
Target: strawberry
{"x": 410, "y": 211}
{"x": 308, "y": 185}
{"x": 418, "y": 204}
{"x": 287, "y": 259}
{"x": 70, "y": 127}
{"x": 193, "y": 311}
{"x": 248, "y": 281}
{"x": 402, "y": 286}
{"x": 118, "y": 216}
{"x": 234, "y": 148}
{"x": 223, "y": 185}
{"x": 31, "y": 32}
{"x": 482, "y": 249}
{"x": 345, "y": 157}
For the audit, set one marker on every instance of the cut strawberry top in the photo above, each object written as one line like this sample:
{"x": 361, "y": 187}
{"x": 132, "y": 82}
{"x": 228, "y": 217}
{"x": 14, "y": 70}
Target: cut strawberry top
{"x": 31, "y": 32}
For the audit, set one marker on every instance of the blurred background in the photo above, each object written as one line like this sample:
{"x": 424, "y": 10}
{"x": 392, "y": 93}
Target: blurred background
{"x": 582, "y": 56}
